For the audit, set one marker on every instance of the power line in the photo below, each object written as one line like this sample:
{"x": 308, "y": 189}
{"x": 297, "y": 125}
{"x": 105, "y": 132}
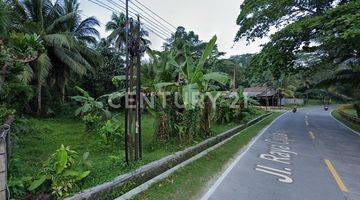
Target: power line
{"x": 156, "y": 24}
{"x": 107, "y": 7}
{"x": 156, "y": 14}
{"x": 103, "y": 6}
{"x": 165, "y": 27}
{"x": 151, "y": 23}
{"x": 154, "y": 32}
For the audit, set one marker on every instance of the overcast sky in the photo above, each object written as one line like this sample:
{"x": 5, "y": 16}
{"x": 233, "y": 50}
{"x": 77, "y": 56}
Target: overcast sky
{"x": 204, "y": 17}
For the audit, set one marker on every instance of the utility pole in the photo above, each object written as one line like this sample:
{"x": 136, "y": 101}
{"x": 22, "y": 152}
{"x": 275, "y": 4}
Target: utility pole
{"x": 138, "y": 88}
{"x": 133, "y": 89}
{"x": 127, "y": 82}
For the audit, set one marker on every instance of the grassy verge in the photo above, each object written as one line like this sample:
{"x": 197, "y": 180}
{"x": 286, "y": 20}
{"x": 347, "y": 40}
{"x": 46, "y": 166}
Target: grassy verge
{"x": 350, "y": 111}
{"x": 46, "y": 135}
{"x": 188, "y": 182}
{"x": 348, "y": 123}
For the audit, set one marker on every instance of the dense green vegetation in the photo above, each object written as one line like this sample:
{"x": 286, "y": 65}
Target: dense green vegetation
{"x": 314, "y": 48}
{"x": 58, "y": 77}
{"x": 61, "y": 80}
{"x": 40, "y": 137}
{"x": 348, "y": 123}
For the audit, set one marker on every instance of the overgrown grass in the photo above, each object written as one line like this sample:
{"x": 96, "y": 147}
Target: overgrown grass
{"x": 188, "y": 182}
{"x": 350, "y": 111}
{"x": 47, "y": 135}
{"x": 350, "y": 124}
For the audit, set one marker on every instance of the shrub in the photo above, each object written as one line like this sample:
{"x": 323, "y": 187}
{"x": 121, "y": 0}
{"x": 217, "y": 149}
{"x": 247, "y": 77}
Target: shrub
{"x": 59, "y": 175}
{"x": 112, "y": 131}
{"x": 5, "y": 113}
{"x": 91, "y": 122}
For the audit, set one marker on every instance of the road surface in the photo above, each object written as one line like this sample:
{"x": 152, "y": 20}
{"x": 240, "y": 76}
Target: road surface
{"x": 302, "y": 156}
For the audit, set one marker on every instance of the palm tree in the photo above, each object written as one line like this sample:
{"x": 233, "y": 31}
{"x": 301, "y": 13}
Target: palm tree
{"x": 117, "y": 27}
{"x": 65, "y": 39}
{"x": 85, "y": 35}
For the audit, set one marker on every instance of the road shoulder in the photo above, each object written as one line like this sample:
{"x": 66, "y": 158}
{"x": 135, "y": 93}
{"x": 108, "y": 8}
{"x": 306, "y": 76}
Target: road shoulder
{"x": 190, "y": 181}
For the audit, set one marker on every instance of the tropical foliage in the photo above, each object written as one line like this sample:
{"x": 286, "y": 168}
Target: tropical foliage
{"x": 53, "y": 63}
{"x": 313, "y": 39}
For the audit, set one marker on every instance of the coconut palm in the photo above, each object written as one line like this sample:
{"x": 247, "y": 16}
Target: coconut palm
{"x": 85, "y": 35}
{"x": 117, "y": 27}
{"x": 65, "y": 39}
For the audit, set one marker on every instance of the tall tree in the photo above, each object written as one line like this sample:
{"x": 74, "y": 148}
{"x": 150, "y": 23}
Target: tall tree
{"x": 117, "y": 27}
{"x": 66, "y": 49}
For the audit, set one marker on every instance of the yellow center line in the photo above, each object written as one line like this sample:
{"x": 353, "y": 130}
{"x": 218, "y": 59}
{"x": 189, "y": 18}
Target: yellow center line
{"x": 336, "y": 176}
{"x": 312, "y": 135}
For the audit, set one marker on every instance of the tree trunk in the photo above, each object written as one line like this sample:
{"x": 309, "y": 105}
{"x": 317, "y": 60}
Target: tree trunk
{"x": 206, "y": 116}
{"x": 62, "y": 93}
{"x": 39, "y": 98}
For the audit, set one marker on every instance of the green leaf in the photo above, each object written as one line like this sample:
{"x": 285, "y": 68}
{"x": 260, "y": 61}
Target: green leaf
{"x": 189, "y": 93}
{"x": 219, "y": 77}
{"x": 82, "y": 91}
{"x": 37, "y": 183}
{"x": 188, "y": 69}
{"x": 62, "y": 159}
{"x": 209, "y": 47}
{"x": 83, "y": 175}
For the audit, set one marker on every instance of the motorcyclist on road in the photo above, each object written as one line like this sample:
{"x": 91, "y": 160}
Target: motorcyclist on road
{"x": 294, "y": 109}
{"x": 326, "y": 107}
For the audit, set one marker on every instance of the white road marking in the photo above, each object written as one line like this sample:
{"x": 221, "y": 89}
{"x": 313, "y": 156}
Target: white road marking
{"x": 284, "y": 176}
{"x": 312, "y": 135}
{"x": 227, "y": 171}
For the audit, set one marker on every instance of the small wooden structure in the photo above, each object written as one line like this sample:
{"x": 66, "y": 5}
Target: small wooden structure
{"x": 266, "y": 96}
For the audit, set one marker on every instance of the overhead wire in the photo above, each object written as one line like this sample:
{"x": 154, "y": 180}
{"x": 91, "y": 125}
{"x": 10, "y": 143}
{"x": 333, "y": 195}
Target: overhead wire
{"x": 145, "y": 19}
{"x": 164, "y": 27}
{"x": 150, "y": 28}
{"x": 153, "y": 12}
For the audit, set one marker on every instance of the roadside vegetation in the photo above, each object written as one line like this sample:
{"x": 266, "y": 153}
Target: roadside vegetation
{"x": 192, "y": 180}
{"x": 61, "y": 79}
{"x": 104, "y": 159}
{"x": 58, "y": 77}
{"x": 350, "y": 124}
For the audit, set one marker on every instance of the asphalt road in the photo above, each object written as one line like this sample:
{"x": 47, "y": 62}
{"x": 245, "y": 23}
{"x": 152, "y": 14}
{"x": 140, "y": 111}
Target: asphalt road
{"x": 302, "y": 156}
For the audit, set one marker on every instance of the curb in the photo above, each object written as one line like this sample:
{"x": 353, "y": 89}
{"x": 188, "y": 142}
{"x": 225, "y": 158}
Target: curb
{"x": 152, "y": 170}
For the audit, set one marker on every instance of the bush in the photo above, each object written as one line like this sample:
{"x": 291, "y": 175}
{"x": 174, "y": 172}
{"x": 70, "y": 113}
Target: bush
{"x": 112, "y": 131}
{"x": 91, "y": 122}
{"x": 5, "y": 113}
{"x": 59, "y": 175}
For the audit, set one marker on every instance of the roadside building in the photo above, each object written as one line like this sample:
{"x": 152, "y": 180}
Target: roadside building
{"x": 266, "y": 96}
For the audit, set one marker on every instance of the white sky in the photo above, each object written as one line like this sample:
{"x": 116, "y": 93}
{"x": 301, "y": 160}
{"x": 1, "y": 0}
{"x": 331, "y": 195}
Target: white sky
{"x": 205, "y": 17}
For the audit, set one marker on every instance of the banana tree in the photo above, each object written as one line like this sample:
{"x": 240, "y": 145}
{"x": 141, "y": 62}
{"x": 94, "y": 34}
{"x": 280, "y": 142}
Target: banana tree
{"x": 197, "y": 82}
{"x": 190, "y": 79}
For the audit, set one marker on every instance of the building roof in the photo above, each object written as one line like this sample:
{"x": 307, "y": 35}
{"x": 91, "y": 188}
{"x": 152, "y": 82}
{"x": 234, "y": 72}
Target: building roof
{"x": 255, "y": 89}
{"x": 259, "y": 92}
